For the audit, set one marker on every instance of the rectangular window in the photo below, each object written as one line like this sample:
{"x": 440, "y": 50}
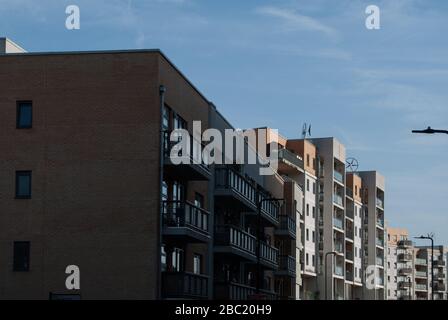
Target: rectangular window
{"x": 197, "y": 263}
{"x": 314, "y": 187}
{"x": 314, "y": 236}
{"x": 307, "y": 209}
{"x": 307, "y": 185}
{"x": 307, "y": 234}
{"x": 199, "y": 200}
{"x": 307, "y": 160}
{"x": 312, "y": 260}
{"x": 307, "y": 259}
{"x": 21, "y": 256}
{"x": 24, "y": 114}
{"x": 314, "y": 212}
{"x": 23, "y": 184}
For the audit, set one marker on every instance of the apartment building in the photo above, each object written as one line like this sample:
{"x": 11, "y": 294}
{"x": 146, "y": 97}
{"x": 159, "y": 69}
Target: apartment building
{"x": 400, "y": 269}
{"x": 87, "y": 180}
{"x": 409, "y": 269}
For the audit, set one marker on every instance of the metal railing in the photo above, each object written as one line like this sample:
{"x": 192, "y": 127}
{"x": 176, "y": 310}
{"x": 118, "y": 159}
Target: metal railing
{"x": 287, "y": 263}
{"x": 185, "y": 214}
{"x": 268, "y": 253}
{"x": 338, "y": 223}
{"x": 229, "y": 179}
{"x": 420, "y": 261}
{"x": 338, "y": 200}
{"x": 184, "y": 285}
{"x": 338, "y": 176}
{"x": 421, "y": 274}
{"x": 231, "y": 236}
{"x": 288, "y": 223}
{"x": 290, "y": 157}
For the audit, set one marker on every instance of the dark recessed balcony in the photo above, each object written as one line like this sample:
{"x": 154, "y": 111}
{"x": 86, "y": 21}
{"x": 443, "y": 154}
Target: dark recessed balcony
{"x": 269, "y": 255}
{"x": 287, "y": 227}
{"x": 287, "y": 266}
{"x": 405, "y": 271}
{"x": 404, "y": 243}
{"x": 192, "y": 167}
{"x": 289, "y": 162}
{"x": 403, "y": 257}
{"x": 184, "y": 285}
{"x": 185, "y": 221}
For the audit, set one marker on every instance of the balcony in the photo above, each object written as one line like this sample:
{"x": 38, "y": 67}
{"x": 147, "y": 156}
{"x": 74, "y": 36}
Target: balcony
{"x": 349, "y": 255}
{"x": 439, "y": 287}
{"x": 339, "y": 177}
{"x": 404, "y": 244}
{"x": 421, "y": 287}
{"x": 421, "y": 274}
{"x": 192, "y": 168}
{"x": 403, "y": 257}
{"x": 338, "y": 223}
{"x": 380, "y": 203}
{"x": 231, "y": 240}
{"x": 287, "y": 227}
{"x": 269, "y": 255}
{"x": 270, "y": 210}
{"x": 287, "y": 266}
{"x": 421, "y": 262}
{"x": 380, "y": 223}
{"x": 339, "y": 247}
{"x": 440, "y": 275}
{"x": 234, "y": 186}
{"x": 379, "y": 261}
{"x": 338, "y": 270}
{"x": 288, "y": 160}
{"x": 337, "y": 199}
{"x": 233, "y": 291}
{"x": 379, "y": 242}
{"x": 183, "y": 220}
{"x": 184, "y": 285}
{"x": 439, "y": 263}
{"x": 405, "y": 271}
{"x": 404, "y": 285}
{"x": 349, "y": 192}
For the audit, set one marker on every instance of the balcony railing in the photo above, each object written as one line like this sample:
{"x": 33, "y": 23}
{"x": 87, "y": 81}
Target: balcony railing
{"x": 271, "y": 209}
{"x": 404, "y": 243}
{"x": 339, "y": 247}
{"x": 290, "y": 158}
{"x": 420, "y": 261}
{"x": 269, "y": 253}
{"x": 338, "y": 176}
{"x": 380, "y": 223}
{"x": 421, "y": 274}
{"x": 231, "y": 236}
{"x": 421, "y": 287}
{"x": 349, "y": 255}
{"x": 439, "y": 263}
{"x": 229, "y": 179}
{"x": 180, "y": 214}
{"x": 380, "y": 203}
{"x": 349, "y": 192}
{"x": 287, "y": 263}
{"x": 338, "y": 270}
{"x": 184, "y": 285}
{"x": 439, "y": 287}
{"x": 380, "y": 242}
{"x": 379, "y": 261}
{"x": 440, "y": 275}
{"x": 288, "y": 225}
{"x": 338, "y": 200}
{"x": 404, "y": 257}
{"x": 404, "y": 284}
{"x": 338, "y": 223}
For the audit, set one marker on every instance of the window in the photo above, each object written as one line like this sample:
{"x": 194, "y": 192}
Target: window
{"x": 356, "y": 252}
{"x": 177, "y": 259}
{"x": 307, "y": 259}
{"x": 24, "y": 114}
{"x": 314, "y": 187}
{"x": 307, "y": 184}
{"x": 312, "y": 260}
{"x": 197, "y": 263}
{"x": 307, "y": 209}
{"x": 314, "y": 212}
{"x": 23, "y": 184}
{"x": 314, "y": 236}
{"x": 308, "y": 160}
{"x": 166, "y": 118}
{"x": 307, "y": 234}
{"x": 163, "y": 257}
{"x": 21, "y": 256}
{"x": 356, "y": 190}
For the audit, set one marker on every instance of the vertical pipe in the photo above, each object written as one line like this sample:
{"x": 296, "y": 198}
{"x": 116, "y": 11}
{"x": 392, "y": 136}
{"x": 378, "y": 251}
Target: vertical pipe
{"x": 162, "y": 91}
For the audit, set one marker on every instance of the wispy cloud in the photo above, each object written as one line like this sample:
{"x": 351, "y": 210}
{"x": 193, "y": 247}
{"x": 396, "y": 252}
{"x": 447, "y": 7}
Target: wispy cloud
{"x": 293, "y": 20}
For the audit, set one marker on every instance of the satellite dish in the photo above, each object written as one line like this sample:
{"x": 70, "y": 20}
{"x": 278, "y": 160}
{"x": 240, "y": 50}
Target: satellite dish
{"x": 351, "y": 164}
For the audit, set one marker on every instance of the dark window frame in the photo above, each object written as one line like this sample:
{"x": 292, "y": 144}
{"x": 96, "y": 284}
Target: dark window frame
{"x": 16, "y": 266}
{"x": 22, "y": 173}
{"x": 18, "y": 107}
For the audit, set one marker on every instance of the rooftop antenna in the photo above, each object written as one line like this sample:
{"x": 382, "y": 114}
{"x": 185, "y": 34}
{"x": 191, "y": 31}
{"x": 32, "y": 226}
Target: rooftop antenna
{"x": 306, "y": 130}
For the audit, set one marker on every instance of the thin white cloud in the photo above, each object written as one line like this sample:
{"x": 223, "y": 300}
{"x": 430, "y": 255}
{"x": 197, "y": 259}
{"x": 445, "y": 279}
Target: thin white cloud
{"x": 295, "y": 21}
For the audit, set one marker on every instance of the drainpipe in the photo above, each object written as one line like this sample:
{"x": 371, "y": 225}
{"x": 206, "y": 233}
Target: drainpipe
{"x": 162, "y": 91}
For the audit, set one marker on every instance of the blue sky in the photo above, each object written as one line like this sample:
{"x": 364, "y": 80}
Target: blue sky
{"x": 283, "y": 63}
